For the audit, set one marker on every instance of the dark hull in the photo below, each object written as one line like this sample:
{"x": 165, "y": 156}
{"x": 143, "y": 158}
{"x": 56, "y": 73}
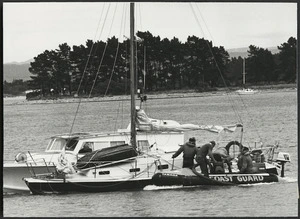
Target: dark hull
{"x": 77, "y": 187}
{"x": 169, "y": 179}
{"x": 106, "y": 155}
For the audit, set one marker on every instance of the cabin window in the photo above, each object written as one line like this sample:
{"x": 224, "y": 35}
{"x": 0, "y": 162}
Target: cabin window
{"x": 71, "y": 144}
{"x": 50, "y": 144}
{"x": 87, "y": 147}
{"x": 115, "y": 143}
{"x": 58, "y": 144}
{"x": 143, "y": 145}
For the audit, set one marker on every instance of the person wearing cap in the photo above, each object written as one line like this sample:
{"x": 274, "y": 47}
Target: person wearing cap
{"x": 244, "y": 163}
{"x": 202, "y": 152}
{"x": 189, "y": 152}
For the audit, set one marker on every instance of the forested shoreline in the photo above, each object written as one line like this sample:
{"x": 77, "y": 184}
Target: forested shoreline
{"x": 102, "y": 68}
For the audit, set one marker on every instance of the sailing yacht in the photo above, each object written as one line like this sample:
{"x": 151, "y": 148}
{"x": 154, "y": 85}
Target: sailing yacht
{"x": 28, "y": 164}
{"x": 128, "y": 165}
{"x": 131, "y": 165}
{"x": 245, "y": 90}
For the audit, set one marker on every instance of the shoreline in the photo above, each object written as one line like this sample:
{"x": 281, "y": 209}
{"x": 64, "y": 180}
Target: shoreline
{"x": 21, "y": 100}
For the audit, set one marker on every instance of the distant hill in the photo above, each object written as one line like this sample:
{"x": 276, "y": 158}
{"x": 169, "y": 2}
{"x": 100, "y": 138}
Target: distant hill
{"x": 16, "y": 70}
{"x": 243, "y": 51}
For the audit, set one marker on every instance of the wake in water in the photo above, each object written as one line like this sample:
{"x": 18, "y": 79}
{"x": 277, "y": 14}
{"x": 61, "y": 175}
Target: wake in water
{"x": 153, "y": 187}
{"x": 174, "y": 187}
{"x": 280, "y": 180}
{"x": 256, "y": 184}
{"x": 287, "y": 180}
{"x": 12, "y": 194}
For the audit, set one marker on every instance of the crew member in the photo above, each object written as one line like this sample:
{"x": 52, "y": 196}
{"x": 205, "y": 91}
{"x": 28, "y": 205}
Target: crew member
{"x": 223, "y": 156}
{"x": 202, "y": 152}
{"x": 189, "y": 152}
{"x": 244, "y": 163}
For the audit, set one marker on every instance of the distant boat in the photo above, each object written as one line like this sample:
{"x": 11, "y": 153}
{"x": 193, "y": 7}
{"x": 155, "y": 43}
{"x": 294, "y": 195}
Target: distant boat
{"x": 245, "y": 90}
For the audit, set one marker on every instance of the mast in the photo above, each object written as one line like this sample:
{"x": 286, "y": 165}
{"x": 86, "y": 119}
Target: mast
{"x": 132, "y": 75}
{"x": 144, "y": 67}
{"x": 244, "y": 72}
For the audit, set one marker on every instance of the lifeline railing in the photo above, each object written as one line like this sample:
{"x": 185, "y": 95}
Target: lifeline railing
{"x": 31, "y": 168}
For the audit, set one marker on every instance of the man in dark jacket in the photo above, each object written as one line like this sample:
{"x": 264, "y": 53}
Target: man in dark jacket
{"x": 244, "y": 163}
{"x": 202, "y": 152}
{"x": 189, "y": 152}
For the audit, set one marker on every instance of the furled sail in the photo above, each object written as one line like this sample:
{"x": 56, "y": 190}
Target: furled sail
{"x": 144, "y": 123}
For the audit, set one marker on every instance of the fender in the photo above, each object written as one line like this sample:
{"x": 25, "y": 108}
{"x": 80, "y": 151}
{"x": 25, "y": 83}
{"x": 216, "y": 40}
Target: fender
{"x": 227, "y": 147}
{"x": 21, "y": 157}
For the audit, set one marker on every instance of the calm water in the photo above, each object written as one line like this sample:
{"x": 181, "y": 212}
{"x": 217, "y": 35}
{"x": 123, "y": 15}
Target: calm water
{"x": 270, "y": 116}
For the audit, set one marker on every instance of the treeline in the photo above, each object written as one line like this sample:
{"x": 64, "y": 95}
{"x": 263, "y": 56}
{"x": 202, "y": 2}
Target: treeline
{"x": 16, "y": 87}
{"x": 102, "y": 68}
{"x": 263, "y": 67}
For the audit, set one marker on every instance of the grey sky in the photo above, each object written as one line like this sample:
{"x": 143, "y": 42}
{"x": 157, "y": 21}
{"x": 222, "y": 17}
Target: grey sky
{"x": 31, "y": 28}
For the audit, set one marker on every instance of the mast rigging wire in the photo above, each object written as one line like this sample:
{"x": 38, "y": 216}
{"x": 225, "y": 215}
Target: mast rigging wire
{"x": 116, "y": 55}
{"x": 139, "y": 14}
{"x": 219, "y": 70}
{"x": 77, "y": 109}
{"x": 104, "y": 51}
{"x": 123, "y": 23}
{"x": 229, "y": 96}
{"x": 88, "y": 59}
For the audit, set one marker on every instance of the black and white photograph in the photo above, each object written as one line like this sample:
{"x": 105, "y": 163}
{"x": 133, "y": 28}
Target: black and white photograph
{"x": 150, "y": 109}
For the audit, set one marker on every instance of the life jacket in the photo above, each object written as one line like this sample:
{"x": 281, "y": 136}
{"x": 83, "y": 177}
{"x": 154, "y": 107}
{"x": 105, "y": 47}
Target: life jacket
{"x": 189, "y": 150}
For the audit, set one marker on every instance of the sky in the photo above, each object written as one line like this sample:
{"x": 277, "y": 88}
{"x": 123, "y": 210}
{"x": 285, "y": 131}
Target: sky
{"x": 31, "y": 28}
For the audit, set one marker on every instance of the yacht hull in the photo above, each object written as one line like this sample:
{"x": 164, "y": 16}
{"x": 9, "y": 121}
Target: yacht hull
{"x": 14, "y": 172}
{"x": 38, "y": 186}
{"x": 170, "y": 179}
{"x": 13, "y": 175}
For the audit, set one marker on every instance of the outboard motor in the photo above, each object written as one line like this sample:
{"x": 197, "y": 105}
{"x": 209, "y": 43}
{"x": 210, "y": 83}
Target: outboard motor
{"x": 282, "y": 158}
{"x": 257, "y": 156}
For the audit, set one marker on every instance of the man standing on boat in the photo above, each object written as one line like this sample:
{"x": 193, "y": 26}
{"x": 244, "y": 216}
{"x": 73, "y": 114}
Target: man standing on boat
{"x": 202, "y": 152}
{"x": 189, "y": 152}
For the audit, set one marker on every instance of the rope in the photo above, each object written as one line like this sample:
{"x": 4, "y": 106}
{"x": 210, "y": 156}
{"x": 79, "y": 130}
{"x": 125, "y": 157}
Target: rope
{"x": 219, "y": 70}
{"x": 116, "y": 55}
{"x": 113, "y": 68}
{"x": 104, "y": 51}
{"x": 251, "y": 117}
{"x": 116, "y": 120}
{"x": 139, "y": 9}
{"x": 77, "y": 109}
{"x": 235, "y": 110}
